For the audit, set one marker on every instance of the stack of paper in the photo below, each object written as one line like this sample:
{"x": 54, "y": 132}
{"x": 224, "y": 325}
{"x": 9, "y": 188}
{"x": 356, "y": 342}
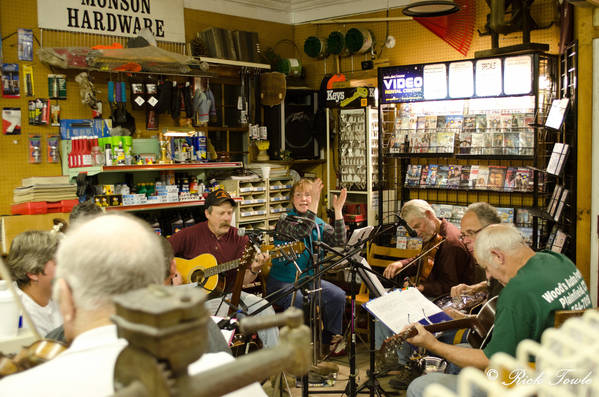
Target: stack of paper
{"x": 49, "y": 188}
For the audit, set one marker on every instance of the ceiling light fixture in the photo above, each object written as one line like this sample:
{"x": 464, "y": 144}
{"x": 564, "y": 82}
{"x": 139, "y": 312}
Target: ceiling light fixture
{"x": 430, "y": 8}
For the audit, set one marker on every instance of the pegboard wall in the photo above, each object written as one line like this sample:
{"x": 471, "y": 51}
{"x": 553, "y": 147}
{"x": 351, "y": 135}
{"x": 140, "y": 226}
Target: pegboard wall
{"x": 14, "y": 163}
{"x": 415, "y": 43}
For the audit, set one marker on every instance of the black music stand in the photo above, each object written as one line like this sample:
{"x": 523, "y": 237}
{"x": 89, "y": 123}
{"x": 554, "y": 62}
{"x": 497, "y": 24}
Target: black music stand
{"x": 375, "y": 289}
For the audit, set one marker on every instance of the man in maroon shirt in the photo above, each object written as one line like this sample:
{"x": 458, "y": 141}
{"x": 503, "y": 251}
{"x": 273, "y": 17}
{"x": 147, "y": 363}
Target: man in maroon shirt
{"x": 217, "y": 237}
{"x": 453, "y": 263}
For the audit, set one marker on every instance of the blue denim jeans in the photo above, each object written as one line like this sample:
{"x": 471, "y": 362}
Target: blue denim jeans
{"x": 332, "y": 305}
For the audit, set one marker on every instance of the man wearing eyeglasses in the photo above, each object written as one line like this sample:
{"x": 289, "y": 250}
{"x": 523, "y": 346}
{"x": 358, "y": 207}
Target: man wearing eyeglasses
{"x": 477, "y": 217}
{"x": 453, "y": 263}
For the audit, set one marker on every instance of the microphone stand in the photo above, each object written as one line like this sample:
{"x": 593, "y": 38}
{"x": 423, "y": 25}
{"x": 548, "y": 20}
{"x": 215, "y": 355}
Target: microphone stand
{"x": 350, "y": 256}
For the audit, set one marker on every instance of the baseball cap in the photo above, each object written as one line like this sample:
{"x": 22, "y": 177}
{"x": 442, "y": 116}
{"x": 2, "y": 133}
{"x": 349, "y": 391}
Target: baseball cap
{"x": 218, "y": 197}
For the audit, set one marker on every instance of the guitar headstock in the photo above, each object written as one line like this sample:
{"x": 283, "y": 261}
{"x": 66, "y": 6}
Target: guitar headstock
{"x": 288, "y": 248}
{"x": 247, "y": 256}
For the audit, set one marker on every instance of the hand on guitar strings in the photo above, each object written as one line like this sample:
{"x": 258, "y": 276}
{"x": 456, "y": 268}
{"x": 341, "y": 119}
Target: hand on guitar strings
{"x": 259, "y": 260}
{"x": 423, "y": 339}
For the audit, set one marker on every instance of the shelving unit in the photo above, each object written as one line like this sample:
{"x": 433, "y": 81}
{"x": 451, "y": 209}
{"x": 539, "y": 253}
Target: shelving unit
{"x": 456, "y": 127}
{"x": 261, "y": 202}
{"x": 358, "y": 157}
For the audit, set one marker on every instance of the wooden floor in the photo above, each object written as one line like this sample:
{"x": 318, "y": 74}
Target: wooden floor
{"x": 338, "y": 389}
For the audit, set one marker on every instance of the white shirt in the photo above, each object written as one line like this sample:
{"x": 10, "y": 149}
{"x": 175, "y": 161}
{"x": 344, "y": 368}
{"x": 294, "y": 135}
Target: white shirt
{"x": 86, "y": 369}
{"x": 45, "y": 318}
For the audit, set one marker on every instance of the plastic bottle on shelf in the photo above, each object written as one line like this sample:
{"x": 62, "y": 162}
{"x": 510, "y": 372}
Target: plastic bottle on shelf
{"x": 86, "y": 152}
{"x": 108, "y": 154}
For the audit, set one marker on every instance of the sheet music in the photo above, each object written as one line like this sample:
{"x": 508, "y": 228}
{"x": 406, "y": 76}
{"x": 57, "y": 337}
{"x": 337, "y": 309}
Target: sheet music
{"x": 358, "y": 235}
{"x": 372, "y": 280}
{"x": 402, "y": 307}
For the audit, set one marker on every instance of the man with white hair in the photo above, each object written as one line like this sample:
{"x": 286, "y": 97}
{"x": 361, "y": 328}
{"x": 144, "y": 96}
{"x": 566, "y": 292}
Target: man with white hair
{"x": 97, "y": 259}
{"x": 535, "y": 286}
{"x": 452, "y": 263}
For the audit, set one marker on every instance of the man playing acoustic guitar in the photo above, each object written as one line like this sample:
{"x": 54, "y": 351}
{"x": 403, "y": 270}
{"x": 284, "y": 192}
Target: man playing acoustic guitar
{"x": 217, "y": 237}
{"x": 532, "y": 293}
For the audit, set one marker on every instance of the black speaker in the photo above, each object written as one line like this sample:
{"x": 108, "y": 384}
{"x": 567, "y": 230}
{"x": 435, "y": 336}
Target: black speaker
{"x": 300, "y": 137}
{"x": 301, "y": 128}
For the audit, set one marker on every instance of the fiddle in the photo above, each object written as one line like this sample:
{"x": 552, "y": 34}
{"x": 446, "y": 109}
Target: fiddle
{"x": 37, "y": 353}
{"x": 427, "y": 255}
{"x": 427, "y": 261}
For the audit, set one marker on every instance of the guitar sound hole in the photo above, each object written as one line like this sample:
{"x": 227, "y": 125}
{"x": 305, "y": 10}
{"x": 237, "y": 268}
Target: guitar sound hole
{"x": 197, "y": 277}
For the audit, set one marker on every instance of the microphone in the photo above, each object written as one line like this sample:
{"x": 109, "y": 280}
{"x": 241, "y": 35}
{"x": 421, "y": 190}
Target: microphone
{"x": 403, "y": 223}
{"x": 242, "y": 231}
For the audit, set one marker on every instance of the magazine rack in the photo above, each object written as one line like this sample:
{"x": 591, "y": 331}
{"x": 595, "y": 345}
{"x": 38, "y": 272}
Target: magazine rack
{"x": 502, "y": 137}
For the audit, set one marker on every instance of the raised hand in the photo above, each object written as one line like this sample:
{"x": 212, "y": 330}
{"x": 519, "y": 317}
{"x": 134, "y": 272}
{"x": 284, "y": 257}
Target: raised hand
{"x": 339, "y": 202}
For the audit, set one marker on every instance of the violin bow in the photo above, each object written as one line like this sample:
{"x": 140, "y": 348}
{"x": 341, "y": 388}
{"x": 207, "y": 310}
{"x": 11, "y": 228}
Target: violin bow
{"x": 6, "y": 276}
{"x": 422, "y": 254}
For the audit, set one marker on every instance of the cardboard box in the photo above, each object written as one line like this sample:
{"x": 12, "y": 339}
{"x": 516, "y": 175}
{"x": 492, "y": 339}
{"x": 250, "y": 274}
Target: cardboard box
{"x": 11, "y": 226}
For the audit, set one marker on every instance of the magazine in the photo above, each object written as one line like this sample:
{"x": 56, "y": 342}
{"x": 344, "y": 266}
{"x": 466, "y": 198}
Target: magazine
{"x": 482, "y": 178}
{"x": 497, "y": 176}
{"x": 465, "y": 177}
{"x": 445, "y": 142}
{"x": 413, "y": 175}
{"x": 423, "y": 175}
{"x": 473, "y": 176}
{"x": 442, "y": 175}
{"x": 510, "y": 176}
{"x": 431, "y": 178}
{"x": 506, "y": 214}
{"x": 465, "y": 142}
{"x": 481, "y": 122}
{"x": 511, "y": 143}
{"x": 453, "y": 177}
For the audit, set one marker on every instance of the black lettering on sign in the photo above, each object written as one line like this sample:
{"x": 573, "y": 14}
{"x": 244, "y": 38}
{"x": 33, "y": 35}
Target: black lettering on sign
{"x": 85, "y": 23}
{"x": 111, "y": 20}
{"x": 159, "y": 28}
{"x": 125, "y": 23}
{"x": 98, "y": 21}
{"x": 72, "y": 17}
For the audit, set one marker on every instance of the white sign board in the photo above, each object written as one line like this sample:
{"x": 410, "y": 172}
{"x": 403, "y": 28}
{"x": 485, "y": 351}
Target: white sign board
{"x": 435, "y": 81}
{"x": 115, "y": 17}
{"x": 517, "y": 78}
{"x": 461, "y": 79}
{"x": 488, "y": 77}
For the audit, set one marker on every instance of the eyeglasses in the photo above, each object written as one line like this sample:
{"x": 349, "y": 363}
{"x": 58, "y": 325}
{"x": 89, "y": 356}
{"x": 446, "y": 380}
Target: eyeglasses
{"x": 302, "y": 194}
{"x": 471, "y": 233}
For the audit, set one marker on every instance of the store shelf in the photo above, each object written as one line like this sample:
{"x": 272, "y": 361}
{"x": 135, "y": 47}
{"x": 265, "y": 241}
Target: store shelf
{"x": 158, "y": 206}
{"x": 149, "y": 207}
{"x": 175, "y": 167}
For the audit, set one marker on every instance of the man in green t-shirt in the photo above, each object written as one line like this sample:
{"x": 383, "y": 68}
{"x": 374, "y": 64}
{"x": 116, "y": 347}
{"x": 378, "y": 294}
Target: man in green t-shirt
{"x": 536, "y": 285}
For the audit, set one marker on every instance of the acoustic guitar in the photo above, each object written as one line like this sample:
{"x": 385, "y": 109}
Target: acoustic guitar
{"x": 479, "y": 334}
{"x": 204, "y": 269}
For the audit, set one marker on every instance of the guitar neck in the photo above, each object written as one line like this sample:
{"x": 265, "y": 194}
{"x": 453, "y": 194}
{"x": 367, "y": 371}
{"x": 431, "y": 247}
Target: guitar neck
{"x": 234, "y": 264}
{"x": 453, "y": 324}
{"x": 223, "y": 267}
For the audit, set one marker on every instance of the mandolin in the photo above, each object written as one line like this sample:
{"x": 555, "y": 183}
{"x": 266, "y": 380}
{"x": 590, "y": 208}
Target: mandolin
{"x": 479, "y": 334}
{"x": 204, "y": 269}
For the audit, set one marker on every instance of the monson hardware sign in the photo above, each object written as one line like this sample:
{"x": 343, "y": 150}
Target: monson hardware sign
{"x": 114, "y": 17}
